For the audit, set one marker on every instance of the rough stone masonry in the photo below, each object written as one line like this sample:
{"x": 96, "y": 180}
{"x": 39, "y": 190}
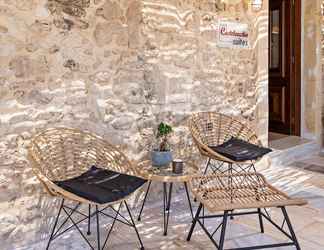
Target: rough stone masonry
{"x": 117, "y": 68}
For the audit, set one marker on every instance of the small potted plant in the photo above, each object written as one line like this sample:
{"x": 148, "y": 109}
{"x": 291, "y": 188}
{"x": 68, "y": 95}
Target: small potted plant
{"x": 162, "y": 155}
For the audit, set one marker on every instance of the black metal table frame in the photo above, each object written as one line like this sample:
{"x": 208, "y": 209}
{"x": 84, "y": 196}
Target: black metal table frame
{"x": 220, "y": 245}
{"x": 167, "y": 197}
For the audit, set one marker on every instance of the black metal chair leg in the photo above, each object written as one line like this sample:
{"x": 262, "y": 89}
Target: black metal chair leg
{"x": 205, "y": 172}
{"x": 75, "y": 224}
{"x": 147, "y": 191}
{"x": 207, "y": 165}
{"x": 188, "y": 197}
{"x": 131, "y": 217}
{"x": 203, "y": 211}
{"x": 230, "y": 184}
{"x": 194, "y": 222}
{"x": 89, "y": 220}
{"x": 98, "y": 228}
{"x": 55, "y": 224}
{"x": 260, "y": 220}
{"x": 112, "y": 225}
{"x": 290, "y": 227}
{"x": 222, "y": 237}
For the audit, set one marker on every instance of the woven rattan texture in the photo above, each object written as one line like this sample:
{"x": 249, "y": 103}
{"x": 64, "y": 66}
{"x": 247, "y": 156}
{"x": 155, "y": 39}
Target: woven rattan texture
{"x": 238, "y": 191}
{"x": 164, "y": 174}
{"x": 213, "y": 129}
{"x": 62, "y": 153}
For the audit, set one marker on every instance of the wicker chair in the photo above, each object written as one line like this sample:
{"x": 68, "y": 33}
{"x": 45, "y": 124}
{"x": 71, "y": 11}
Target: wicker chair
{"x": 225, "y": 193}
{"x": 213, "y": 129}
{"x": 61, "y": 154}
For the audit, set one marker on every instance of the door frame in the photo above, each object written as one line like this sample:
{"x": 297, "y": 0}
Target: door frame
{"x": 293, "y": 105}
{"x": 295, "y": 70}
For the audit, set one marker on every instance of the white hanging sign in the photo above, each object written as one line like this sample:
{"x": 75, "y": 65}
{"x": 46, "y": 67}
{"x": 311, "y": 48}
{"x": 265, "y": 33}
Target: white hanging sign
{"x": 233, "y": 35}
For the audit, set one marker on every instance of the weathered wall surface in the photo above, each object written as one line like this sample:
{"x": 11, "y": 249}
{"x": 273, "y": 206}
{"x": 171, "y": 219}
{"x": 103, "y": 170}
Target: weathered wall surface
{"x": 322, "y": 69}
{"x": 311, "y": 70}
{"x": 116, "y": 68}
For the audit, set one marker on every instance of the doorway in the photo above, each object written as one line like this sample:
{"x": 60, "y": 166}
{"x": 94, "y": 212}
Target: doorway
{"x": 285, "y": 66}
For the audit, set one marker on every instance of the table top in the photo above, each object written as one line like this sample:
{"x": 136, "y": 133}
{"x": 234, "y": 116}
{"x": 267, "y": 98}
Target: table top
{"x": 165, "y": 174}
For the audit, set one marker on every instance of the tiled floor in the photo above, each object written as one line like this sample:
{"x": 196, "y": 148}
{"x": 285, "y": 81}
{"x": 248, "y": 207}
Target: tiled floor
{"x": 296, "y": 179}
{"x": 282, "y": 142}
{"x": 276, "y": 136}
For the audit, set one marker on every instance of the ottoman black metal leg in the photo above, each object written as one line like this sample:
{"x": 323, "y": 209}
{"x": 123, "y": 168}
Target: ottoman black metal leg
{"x": 291, "y": 230}
{"x": 147, "y": 191}
{"x": 260, "y": 220}
{"x": 222, "y": 237}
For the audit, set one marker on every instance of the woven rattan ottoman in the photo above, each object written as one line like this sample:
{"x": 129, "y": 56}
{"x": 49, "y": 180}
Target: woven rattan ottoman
{"x": 246, "y": 193}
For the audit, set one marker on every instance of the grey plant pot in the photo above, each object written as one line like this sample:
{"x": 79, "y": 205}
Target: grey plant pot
{"x": 161, "y": 158}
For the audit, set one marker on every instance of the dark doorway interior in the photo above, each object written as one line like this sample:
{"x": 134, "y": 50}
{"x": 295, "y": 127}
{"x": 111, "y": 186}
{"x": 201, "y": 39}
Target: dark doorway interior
{"x": 284, "y": 66}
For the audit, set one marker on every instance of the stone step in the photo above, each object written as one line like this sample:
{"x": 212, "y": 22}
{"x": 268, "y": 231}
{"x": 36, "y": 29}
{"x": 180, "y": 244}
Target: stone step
{"x": 291, "y": 149}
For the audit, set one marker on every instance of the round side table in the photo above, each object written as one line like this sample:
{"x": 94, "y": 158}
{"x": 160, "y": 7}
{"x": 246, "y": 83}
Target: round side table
{"x": 167, "y": 177}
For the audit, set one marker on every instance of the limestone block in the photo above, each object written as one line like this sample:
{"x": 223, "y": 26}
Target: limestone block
{"x": 25, "y": 67}
{"x": 110, "y": 11}
{"x": 134, "y": 19}
{"x": 73, "y": 8}
{"x": 25, "y": 5}
{"x": 102, "y": 77}
{"x": 72, "y": 65}
{"x": 123, "y": 122}
{"x": 40, "y": 28}
{"x": 5, "y": 10}
{"x": 50, "y": 116}
{"x": 3, "y": 29}
{"x": 105, "y": 32}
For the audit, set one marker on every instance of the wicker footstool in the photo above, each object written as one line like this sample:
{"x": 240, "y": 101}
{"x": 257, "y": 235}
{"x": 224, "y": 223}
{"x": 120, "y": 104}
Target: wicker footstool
{"x": 247, "y": 193}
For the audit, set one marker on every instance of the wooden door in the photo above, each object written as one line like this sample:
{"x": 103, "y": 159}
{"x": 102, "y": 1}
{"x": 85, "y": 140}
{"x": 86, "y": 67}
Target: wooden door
{"x": 279, "y": 66}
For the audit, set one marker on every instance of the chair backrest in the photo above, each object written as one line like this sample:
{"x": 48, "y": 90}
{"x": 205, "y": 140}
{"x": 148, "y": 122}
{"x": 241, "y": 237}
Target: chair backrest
{"x": 63, "y": 153}
{"x": 212, "y": 129}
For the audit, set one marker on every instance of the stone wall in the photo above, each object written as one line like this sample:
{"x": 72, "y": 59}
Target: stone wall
{"x": 311, "y": 70}
{"x": 322, "y": 69}
{"x": 116, "y": 68}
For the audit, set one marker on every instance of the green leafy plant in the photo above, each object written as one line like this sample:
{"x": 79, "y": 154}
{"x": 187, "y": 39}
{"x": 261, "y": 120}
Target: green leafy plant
{"x": 164, "y": 130}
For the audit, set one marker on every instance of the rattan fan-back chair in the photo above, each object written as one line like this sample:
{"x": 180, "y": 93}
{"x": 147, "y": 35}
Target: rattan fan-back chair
{"x": 61, "y": 154}
{"x": 213, "y": 129}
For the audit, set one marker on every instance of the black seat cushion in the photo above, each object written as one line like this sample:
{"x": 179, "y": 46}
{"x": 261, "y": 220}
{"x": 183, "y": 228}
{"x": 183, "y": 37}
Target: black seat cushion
{"x": 102, "y": 186}
{"x": 239, "y": 150}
